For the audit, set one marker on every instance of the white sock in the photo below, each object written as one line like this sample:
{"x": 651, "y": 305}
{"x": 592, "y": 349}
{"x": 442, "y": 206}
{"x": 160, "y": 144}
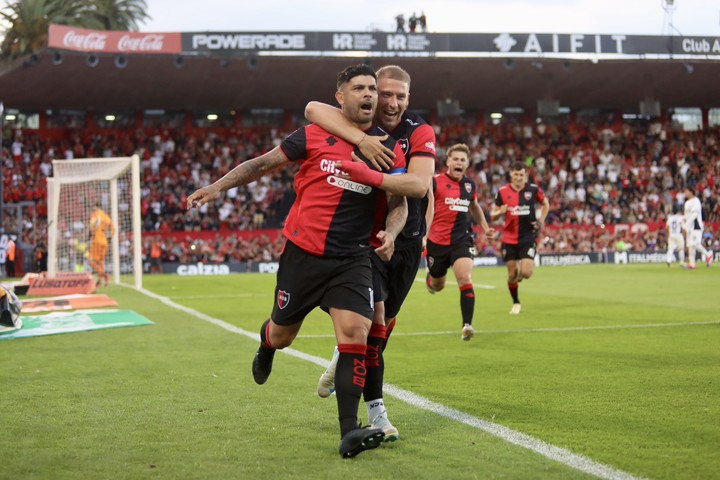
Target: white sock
{"x": 374, "y": 408}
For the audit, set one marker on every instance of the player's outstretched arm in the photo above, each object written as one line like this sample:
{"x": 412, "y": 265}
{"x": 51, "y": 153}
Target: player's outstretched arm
{"x": 332, "y": 120}
{"x": 243, "y": 174}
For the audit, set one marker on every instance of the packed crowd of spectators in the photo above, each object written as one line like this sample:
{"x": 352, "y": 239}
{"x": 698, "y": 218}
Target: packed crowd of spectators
{"x": 596, "y": 175}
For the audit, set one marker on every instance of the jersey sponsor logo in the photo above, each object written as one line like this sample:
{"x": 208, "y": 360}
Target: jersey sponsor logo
{"x": 349, "y": 185}
{"x": 283, "y": 299}
{"x": 519, "y": 210}
{"x": 328, "y": 165}
{"x": 457, "y": 204}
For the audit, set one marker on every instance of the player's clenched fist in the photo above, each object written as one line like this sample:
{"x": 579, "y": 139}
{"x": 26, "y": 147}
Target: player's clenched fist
{"x": 202, "y": 196}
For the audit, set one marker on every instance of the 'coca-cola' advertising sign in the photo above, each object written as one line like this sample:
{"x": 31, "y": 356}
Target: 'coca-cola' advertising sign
{"x": 99, "y": 41}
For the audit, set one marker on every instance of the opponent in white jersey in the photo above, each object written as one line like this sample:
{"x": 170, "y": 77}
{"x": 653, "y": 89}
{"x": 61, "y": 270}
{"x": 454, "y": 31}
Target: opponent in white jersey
{"x": 675, "y": 225}
{"x": 694, "y": 228}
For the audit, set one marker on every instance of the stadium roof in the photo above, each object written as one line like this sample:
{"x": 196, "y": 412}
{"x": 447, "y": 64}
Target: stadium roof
{"x": 195, "y": 78}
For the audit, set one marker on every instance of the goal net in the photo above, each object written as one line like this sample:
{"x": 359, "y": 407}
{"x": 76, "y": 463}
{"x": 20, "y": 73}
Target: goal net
{"x": 76, "y": 189}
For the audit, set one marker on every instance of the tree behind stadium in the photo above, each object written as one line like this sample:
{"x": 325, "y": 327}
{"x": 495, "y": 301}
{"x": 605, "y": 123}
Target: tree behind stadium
{"x": 28, "y": 21}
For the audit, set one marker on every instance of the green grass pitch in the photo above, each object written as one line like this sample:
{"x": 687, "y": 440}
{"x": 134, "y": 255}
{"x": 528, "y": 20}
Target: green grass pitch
{"x": 617, "y": 364}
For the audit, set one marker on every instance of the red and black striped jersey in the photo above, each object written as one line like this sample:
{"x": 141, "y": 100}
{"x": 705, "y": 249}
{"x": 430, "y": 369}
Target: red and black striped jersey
{"x": 520, "y": 213}
{"x": 452, "y": 223}
{"x": 416, "y": 138}
{"x": 331, "y": 216}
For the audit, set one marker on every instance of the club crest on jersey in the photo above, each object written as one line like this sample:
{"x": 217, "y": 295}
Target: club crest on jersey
{"x": 468, "y": 187}
{"x": 527, "y": 195}
{"x": 283, "y": 299}
{"x": 404, "y": 145}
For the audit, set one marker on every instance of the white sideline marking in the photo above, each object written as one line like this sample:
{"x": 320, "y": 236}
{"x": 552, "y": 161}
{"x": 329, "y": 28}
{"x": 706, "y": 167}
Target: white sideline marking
{"x": 558, "y": 454}
{"x": 548, "y": 329}
{"x": 476, "y": 285}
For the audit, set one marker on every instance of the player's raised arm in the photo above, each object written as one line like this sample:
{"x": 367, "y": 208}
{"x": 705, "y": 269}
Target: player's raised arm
{"x": 243, "y": 174}
{"x": 332, "y": 120}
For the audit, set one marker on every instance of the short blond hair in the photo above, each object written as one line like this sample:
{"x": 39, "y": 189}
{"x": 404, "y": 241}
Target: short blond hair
{"x": 459, "y": 147}
{"x": 393, "y": 72}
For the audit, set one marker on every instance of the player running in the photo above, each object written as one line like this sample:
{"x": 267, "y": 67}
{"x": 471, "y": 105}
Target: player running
{"x": 392, "y": 278}
{"x": 451, "y": 240}
{"x": 517, "y": 201}
{"x": 326, "y": 260}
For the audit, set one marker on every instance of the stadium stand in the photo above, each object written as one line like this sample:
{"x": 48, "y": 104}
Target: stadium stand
{"x": 596, "y": 175}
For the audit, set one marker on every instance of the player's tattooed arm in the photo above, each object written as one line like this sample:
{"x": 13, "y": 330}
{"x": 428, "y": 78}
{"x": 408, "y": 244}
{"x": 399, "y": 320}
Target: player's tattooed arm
{"x": 394, "y": 223}
{"x": 243, "y": 174}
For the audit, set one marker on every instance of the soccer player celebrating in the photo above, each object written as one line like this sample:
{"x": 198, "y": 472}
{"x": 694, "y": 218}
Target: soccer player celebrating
{"x": 517, "y": 201}
{"x": 101, "y": 227}
{"x": 694, "y": 228}
{"x": 326, "y": 260}
{"x": 450, "y": 240}
{"x": 392, "y": 277}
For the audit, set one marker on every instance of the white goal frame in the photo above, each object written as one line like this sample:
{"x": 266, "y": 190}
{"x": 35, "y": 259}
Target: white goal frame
{"x": 87, "y": 170}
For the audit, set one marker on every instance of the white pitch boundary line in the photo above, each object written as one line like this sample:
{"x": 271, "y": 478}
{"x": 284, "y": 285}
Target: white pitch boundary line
{"x": 534, "y": 330}
{"x": 552, "y": 452}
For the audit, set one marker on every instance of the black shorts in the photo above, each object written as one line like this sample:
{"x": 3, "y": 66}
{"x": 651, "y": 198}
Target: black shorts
{"x": 392, "y": 281}
{"x": 441, "y": 257}
{"x": 306, "y": 281}
{"x": 518, "y": 252}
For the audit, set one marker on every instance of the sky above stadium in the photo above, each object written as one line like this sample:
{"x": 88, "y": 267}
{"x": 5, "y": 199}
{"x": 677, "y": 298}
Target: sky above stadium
{"x": 633, "y": 17}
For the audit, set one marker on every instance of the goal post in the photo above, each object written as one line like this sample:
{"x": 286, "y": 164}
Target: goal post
{"x": 75, "y": 189}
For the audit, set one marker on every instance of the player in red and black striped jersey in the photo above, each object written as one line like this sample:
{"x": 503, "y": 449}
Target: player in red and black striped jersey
{"x": 450, "y": 240}
{"x": 326, "y": 260}
{"x": 518, "y": 202}
{"x": 392, "y": 277}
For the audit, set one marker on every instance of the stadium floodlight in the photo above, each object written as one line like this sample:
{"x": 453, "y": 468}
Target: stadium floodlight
{"x": 121, "y": 61}
{"x": 73, "y": 191}
{"x": 57, "y": 58}
{"x": 92, "y": 60}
